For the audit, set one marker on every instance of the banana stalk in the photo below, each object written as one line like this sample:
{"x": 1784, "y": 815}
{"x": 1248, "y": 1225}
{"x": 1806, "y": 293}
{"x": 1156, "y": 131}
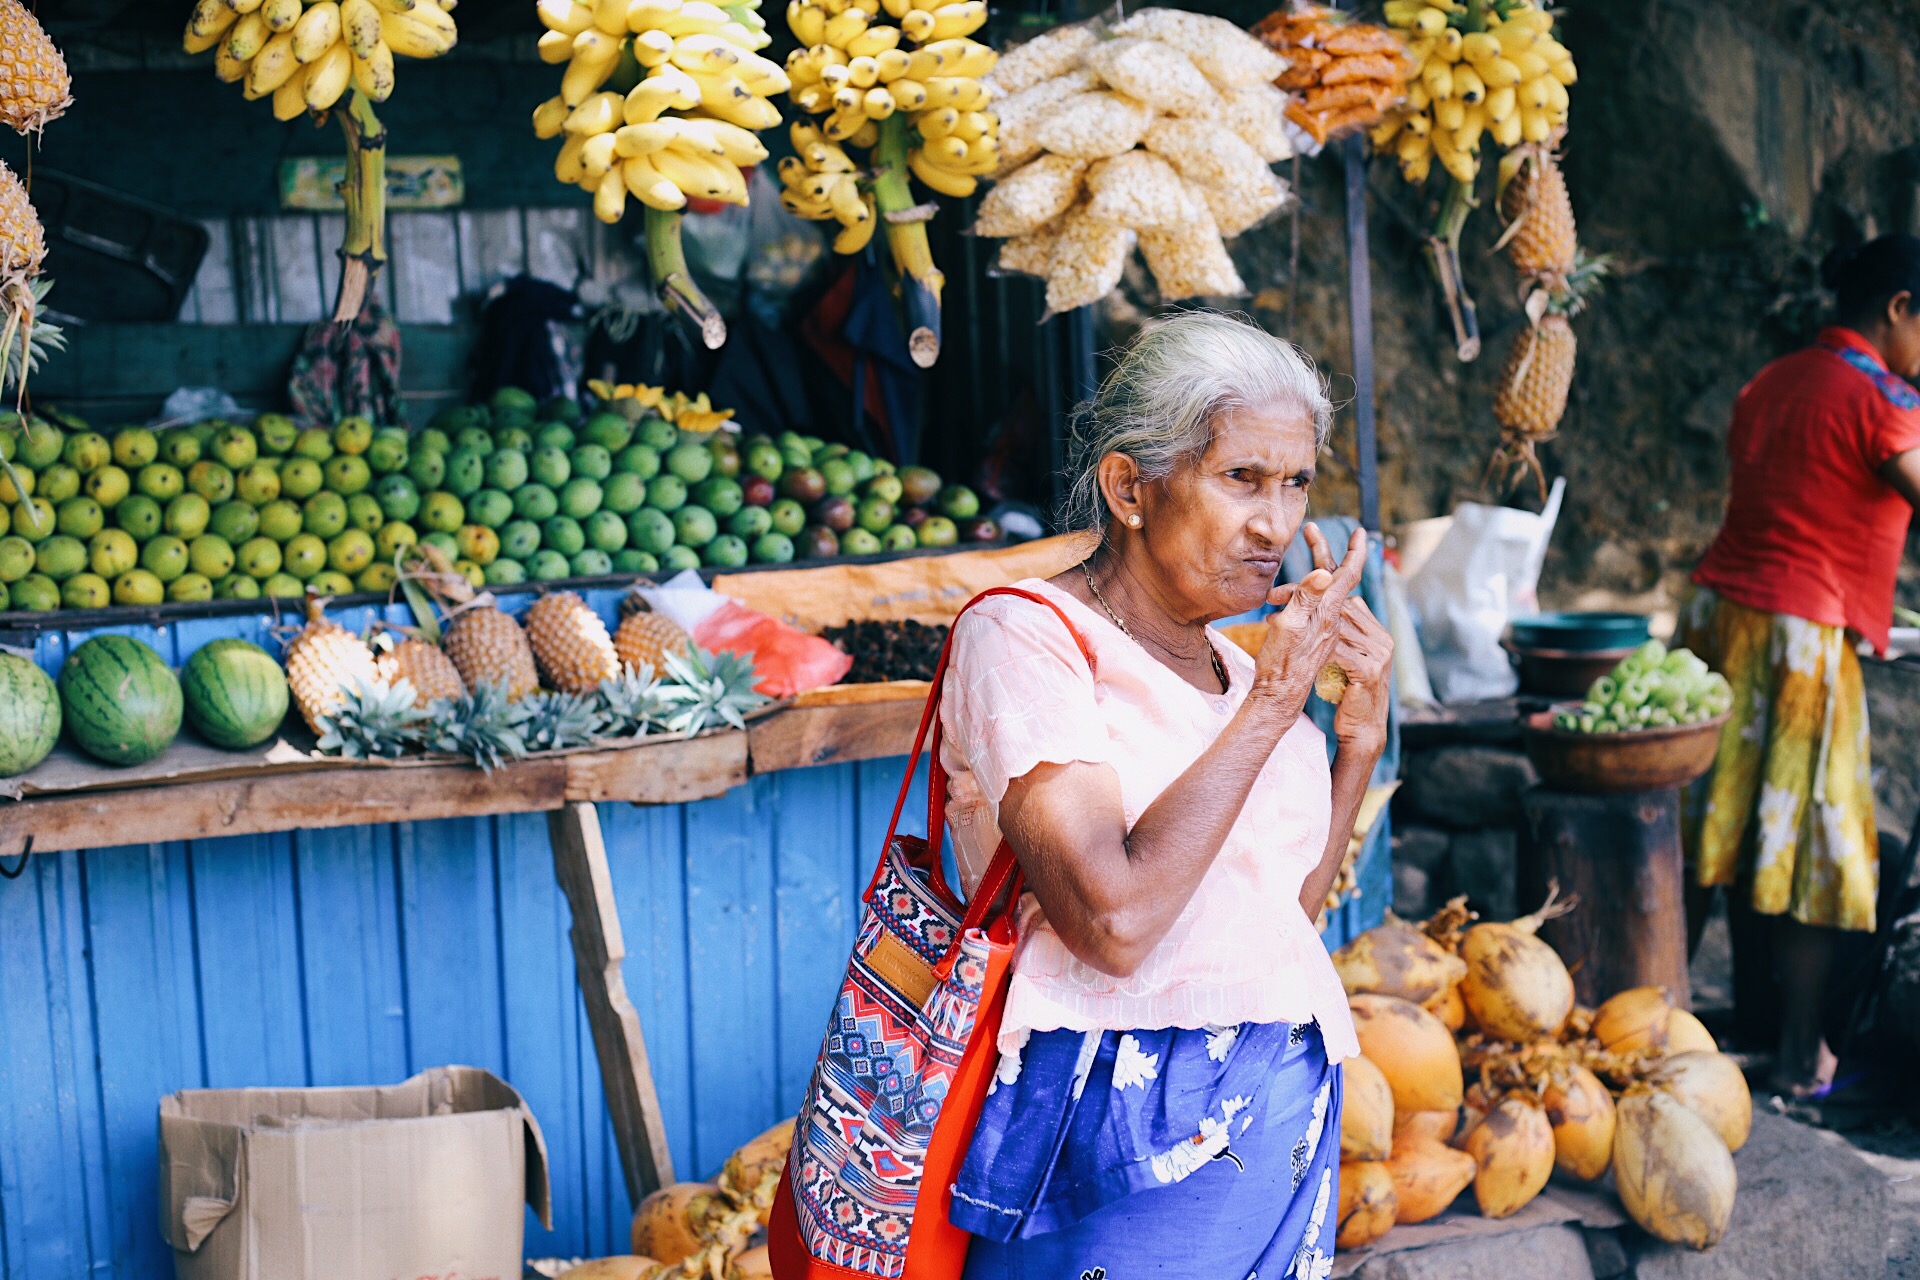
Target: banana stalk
{"x": 906, "y": 224}
{"x": 1443, "y": 259}
{"x": 674, "y": 281}
{"x": 364, "y": 251}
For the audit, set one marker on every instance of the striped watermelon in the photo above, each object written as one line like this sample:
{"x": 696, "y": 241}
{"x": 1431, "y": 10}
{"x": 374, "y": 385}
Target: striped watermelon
{"x": 236, "y": 694}
{"x": 122, "y": 704}
{"x": 29, "y": 715}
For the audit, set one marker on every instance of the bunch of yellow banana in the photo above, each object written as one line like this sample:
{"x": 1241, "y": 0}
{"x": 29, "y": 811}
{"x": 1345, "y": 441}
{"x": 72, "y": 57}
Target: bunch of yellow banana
{"x": 305, "y": 56}
{"x": 854, "y": 71}
{"x": 685, "y": 127}
{"x": 822, "y": 183}
{"x": 1508, "y": 82}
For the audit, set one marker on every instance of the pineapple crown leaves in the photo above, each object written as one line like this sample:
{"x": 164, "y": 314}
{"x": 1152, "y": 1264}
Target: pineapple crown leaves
{"x": 30, "y": 339}
{"x": 485, "y": 726}
{"x": 708, "y": 687}
{"x": 635, "y": 702}
{"x": 373, "y": 721}
{"x": 562, "y": 720}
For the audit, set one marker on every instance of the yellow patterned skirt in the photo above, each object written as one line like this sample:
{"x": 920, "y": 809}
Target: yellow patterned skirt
{"x": 1787, "y": 813}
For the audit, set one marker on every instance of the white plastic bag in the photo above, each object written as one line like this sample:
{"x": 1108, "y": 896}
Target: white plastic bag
{"x": 1483, "y": 573}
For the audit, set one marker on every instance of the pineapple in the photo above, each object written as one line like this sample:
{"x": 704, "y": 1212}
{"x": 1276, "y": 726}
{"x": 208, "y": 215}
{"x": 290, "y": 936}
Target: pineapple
{"x": 324, "y": 663}
{"x": 373, "y": 721}
{"x": 634, "y": 703}
{"x": 34, "y": 85}
{"x": 563, "y": 720}
{"x": 709, "y": 689}
{"x": 570, "y": 643}
{"x": 489, "y": 648}
{"x": 644, "y": 638}
{"x": 1534, "y": 382}
{"x": 1541, "y": 237}
{"x": 486, "y": 726}
{"x": 23, "y": 244}
{"x": 424, "y": 666}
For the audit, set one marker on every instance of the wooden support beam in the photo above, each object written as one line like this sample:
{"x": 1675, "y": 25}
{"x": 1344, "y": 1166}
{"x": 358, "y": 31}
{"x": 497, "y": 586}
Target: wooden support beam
{"x": 639, "y": 1130}
{"x": 801, "y": 737}
{"x": 664, "y": 772}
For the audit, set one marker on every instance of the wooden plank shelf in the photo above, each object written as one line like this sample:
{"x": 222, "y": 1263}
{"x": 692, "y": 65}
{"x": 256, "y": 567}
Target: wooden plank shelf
{"x": 657, "y": 773}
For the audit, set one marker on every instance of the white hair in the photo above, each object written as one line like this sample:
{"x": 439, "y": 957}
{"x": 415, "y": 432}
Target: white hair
{"x": 1160, "y": 402}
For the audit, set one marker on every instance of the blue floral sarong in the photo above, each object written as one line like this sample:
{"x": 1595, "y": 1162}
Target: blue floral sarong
{"x": 1128, "y": 1155}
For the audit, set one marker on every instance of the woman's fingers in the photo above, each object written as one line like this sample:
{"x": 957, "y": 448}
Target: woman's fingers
{"x": 1347, "y": 576}
{"x": 1317, "y": 544}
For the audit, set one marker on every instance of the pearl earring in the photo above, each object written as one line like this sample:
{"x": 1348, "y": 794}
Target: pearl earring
{"x": 1133, "y": 521}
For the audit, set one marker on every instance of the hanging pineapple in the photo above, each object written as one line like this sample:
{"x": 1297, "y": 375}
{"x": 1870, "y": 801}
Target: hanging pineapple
{"x": 1541, "y": 239}
{"x": 570, "y": 643}
{"x": 325, "y": 663}
{"x": 34, "y": 86}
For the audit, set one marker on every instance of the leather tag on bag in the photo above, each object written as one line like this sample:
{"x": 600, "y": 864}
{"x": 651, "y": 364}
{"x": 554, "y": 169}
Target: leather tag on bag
{"x": 902, "y": 968}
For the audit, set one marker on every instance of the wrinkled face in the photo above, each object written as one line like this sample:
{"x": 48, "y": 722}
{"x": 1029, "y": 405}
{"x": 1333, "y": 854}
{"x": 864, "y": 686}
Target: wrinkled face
{"x": 1218, "y": 525}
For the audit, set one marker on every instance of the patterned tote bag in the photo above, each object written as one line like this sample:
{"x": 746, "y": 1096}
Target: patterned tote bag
{"x": 908, "y": 1055}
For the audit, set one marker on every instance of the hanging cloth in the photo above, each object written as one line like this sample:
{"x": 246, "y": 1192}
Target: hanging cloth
{"x": 349, "y": 370}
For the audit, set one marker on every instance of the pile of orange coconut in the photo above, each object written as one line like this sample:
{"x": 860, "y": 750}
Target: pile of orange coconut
{"x": 1478, "y": 1069}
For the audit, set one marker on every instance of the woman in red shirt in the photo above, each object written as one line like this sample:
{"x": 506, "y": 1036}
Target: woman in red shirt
{"x": 1825, "y": 474}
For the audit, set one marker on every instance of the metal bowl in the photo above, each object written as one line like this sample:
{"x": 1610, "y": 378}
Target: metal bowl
{"x": 1563, "y": 673}
{"x": 1571, "y": 632}
{"x": 1636, "y": 760}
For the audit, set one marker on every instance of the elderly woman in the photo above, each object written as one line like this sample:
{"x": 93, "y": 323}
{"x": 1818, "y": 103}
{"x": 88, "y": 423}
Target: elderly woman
{"x": 1167, "y": 1102}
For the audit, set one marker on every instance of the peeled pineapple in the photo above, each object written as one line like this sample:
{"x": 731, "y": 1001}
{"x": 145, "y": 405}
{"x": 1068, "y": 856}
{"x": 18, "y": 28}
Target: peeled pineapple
{"x": 570, "y": 643}
{"x": 489, "y": 648}
{"x": 325, "y": 663}
{"x": 644, "y": 639}
{"x": 425, "y": 667}
{"x": 34, "y": 85}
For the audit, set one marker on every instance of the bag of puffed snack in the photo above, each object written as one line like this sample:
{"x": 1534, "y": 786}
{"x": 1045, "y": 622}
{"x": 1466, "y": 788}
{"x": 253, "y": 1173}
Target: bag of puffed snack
{"x": 1236, "y": 212}
{"x": 1210, "y": 154}
{"x": 1225, "y": 54}
{"x": 1087, "y": 261}
{"x": 1257, "y": 112}
{"x": 1030, "y": 254}
{"x": 1157, "y": 74}
{"x": 1021, "y": 111}
{"x": 1140, "y": 190}
{"x": 1190, "y": 262}
{"x": 1031, "y": 196}
{"x": 1092, "y": 126}
{"x": 1046, "y": 55}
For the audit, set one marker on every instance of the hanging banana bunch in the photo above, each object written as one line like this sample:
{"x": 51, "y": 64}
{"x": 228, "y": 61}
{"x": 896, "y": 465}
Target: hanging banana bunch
{"x": 660, "y": 103}
{"x": 306, "y": 57}
{"x": 900, "y": 81}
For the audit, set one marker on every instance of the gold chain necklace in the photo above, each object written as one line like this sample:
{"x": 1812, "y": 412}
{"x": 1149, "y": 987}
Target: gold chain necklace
{"x": 1219, "y": 668}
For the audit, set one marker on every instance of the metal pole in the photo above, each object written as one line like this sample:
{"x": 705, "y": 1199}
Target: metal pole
{"x": 1360, "y": 317}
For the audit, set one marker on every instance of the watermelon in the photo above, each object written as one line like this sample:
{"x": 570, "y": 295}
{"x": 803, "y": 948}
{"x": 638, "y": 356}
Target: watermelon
{"x": 121, "y": 703}
{"x": 29, "y": 715}
{"x": 236, "y": 694}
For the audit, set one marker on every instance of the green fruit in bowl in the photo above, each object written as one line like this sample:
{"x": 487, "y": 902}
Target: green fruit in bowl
{"x": 555, "y": 435}
{"x": 666, "y": 492}
{"x": 108, "y": 485}
{"x": 353, "y": 436}
{"x": 478, "y": 544}
{"x": 637, "y": 460}
{"x": 651, "y": 530}
{"x": 606, "y": 531}
{"x": 442, "y": 542}
{"x": 160, "y": 481}
{"x": 860, "y": 542}
{"x": 314, "y": 444}
{"x": 301, "y": 478}
{"x": 257, "y": 483}
{"x": 304, "y": 557}
{"x": 623, "y": 493}
{"x": 535, "y": 502}
{"x": 391, "y": 537}
{"x": 433, "y": 440}
{"x": 136, "y": 587}
{"x": 490, "y": 508}
{"x": 235, "y": 447}
{"x": 750, "y": 523}
{"x": 165, "y": 557}
{"x": 694, "y": 526}
{"x": 657, "y": 434}
{"x": 466, "y": 472}
{"x": 347, "y": 474}
{"x": 724, "y": 552}
{"x": 772, "y": 548}
{"x": 234, "y": 521}
{"x": 60, "y": 557}
{"x": 350, "y": 552}
{"x": 550, "y": 466}
{"x": 513, "y": 440}
{"x": 16, "y": 558}
{"x": 592, "y": 461}
{"x": 720, "y": 495}
{"x": 427, "y": 468}
{"x": 763, "y": 459}
{"x": 610, "y": 431}
{"x": 277, "y": 432}
{"x": 34, "y": 519}
{"x": 506, "y": 469}
{"x": 364, "y": 513}
{"x": 839, "y": 476}
{"x": 190, "y": 588}
{"x": 590, "y": 563}
{"x": 180, "y": 449}
{"x": 331, "y": 582}
{"x": 398, "y": 497}
{"x": 389, "y": 451}
{"x": 580, "y": 497}
{"x": 323, "y": 515}
{"x": 548, "y": 566}
{"x": 506, "y": 573}
{"x": 236, "y": 586}
{"x": 79, "y": 517}
{"x": 519, "y": 539}
{"x": 564, "y": 535}
{"x": 937, "y": 531}
{"x": 691, "y": 461}
{"x": 788, "y": 516}
{"x": 899, "y": 537}
{"x": 473, "y": 439}
{"x": 280, "y": 520}
{"x": 36, "y": 593}
{"x": 138, "y": 515}
{"x": 210, "y": 556}
{"x": 57, "y": 483}
{"x": 86, "y": 452}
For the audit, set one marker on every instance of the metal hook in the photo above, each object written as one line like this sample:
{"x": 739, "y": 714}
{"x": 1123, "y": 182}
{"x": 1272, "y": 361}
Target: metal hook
{"x": 20, "y": 867}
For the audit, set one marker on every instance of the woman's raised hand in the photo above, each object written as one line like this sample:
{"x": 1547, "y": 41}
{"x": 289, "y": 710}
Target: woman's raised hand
{"x": 1306, "y": 632}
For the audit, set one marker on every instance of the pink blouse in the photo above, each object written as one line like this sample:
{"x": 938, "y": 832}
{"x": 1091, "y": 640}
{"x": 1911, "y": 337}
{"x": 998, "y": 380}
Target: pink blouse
{"x": 1018, "y": 694}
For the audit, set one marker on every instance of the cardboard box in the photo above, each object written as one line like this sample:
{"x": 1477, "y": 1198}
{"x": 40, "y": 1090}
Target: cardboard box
{"x": 420, "y": 1179}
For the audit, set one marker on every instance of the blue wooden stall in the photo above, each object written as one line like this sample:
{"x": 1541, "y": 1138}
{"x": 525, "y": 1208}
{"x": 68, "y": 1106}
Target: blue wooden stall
{"x": 364, "y": 954}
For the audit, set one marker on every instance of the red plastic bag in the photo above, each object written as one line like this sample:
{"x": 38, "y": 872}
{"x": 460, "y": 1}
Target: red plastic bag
{"x": 787, "y": 659}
